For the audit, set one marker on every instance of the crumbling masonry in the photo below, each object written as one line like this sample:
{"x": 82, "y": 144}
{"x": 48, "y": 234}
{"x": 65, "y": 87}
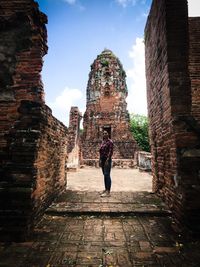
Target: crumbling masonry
{"x": 33, "y": 144}
{"x": 173, "y": 91}
{"x": 74, "y": 146}
{"x": 106, "y": 110}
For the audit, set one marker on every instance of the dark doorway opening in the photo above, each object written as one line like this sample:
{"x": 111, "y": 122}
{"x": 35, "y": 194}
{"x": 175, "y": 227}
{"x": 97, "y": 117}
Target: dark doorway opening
{"x": 107, "y": 129}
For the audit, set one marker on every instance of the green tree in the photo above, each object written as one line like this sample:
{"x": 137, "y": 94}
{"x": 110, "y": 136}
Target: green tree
{"x": 139, "y": 129}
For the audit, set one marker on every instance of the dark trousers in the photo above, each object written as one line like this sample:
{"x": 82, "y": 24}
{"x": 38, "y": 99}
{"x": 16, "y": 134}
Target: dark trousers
{"x": 106, "y": 168}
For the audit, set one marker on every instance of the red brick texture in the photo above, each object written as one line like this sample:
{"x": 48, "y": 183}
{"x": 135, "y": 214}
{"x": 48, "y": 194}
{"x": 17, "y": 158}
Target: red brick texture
{"x": 174, "y": 132}
{"x": 194, "y": 64}
{"x": 106, "y": 109}
{"x": 33, "y": 144}
{"x": 74, "y": 146}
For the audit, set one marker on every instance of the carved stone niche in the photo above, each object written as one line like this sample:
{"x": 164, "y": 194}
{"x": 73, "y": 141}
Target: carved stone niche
{"x": 107, "y": 90}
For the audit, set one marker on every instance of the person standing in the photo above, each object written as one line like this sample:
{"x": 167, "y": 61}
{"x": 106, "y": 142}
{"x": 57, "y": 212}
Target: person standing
{"x": 105, "y": 161}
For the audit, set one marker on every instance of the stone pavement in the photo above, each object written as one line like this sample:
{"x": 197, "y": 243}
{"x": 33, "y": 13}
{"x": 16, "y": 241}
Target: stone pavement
{"x": 91, "y": 179}
{"x": 123, "y": 203}
{"x": 81, "y": 229}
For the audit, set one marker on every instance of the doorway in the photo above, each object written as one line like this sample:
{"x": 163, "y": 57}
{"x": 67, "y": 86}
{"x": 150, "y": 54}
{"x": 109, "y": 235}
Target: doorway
{"x": 108, "y": 130}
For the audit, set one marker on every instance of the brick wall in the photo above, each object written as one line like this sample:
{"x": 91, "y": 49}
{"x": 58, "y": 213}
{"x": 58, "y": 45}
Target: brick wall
{"x": 174, "y": 132}
{"x": 73, "y": 148}
{"x": 32, "y": 142}
{"x": 50, "y": 160}
{"x": 194, "y": 64}
{"x": 21, "y": 61}
{"x": 106, "y": 109}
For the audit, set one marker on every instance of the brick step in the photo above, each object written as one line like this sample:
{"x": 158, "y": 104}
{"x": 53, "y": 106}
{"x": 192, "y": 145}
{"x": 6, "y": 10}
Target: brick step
{"x": 112, "y": 209}
{"x": 118, "y": 204}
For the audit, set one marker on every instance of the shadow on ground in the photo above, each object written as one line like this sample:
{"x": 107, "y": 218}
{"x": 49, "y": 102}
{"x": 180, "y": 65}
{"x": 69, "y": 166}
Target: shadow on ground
{"x": 81, "y": 229}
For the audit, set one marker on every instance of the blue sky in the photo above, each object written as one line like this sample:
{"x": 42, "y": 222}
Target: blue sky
{"x": 79, "y": 30}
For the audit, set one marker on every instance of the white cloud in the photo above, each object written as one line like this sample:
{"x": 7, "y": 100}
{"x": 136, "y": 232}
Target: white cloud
{"x": 145, "y": 15}
{"x": 194, "y": 8}
{"x": 75, "y": 3}
{"x": 124, "y": 3}
{"x": 64, "y": 101}
{"x": 136, "y": 79}
{"x": 70, "y": 2}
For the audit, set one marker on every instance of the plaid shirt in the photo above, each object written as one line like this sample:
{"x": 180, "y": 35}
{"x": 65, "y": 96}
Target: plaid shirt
{"x": 106, "y": 149}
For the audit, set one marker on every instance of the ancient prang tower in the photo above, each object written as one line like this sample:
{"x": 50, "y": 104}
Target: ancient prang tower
{"x": 106, "y": 109}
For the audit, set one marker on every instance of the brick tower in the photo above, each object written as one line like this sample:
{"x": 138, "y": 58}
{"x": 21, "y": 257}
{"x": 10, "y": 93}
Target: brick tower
{"x": 106, "y": 109}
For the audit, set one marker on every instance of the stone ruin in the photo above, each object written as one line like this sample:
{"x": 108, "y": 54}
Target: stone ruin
{"x": 172, "y": 54}
{"x": 33, "y": 144}
{"x": 106, "y": 109}
{"x": 74, "y": 146}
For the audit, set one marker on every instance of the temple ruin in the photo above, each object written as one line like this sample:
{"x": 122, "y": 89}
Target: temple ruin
{"x": 172, "y": 54}
{"x": 74, "y": 146}
{"x": 33, "y": 144}
{"x": 106, "y": 109}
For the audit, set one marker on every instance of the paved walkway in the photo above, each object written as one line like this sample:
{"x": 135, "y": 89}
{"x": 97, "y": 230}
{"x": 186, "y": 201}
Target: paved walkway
{"x": 91, "y": 179}
{"x": 81, "y": 229}
{"x": 123, "y": 203}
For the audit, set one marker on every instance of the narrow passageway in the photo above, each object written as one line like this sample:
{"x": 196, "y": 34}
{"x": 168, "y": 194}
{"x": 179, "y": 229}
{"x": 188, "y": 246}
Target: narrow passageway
{"x": 132, "y": 226}
{"x": 127, "y": 229}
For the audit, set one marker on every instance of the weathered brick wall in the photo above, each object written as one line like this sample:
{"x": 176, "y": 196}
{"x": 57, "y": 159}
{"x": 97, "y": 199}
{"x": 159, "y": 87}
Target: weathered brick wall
{"x": 173, "y": 131}
{"x": 194, "y": 64}
{"x": 35, "y": 171}
{"x": 73, "y": 148}
{"x": 50, "y": 161}
{"x": 106, "y": 109}
{"x": 21, "y": 61}
{"x": 158, "y": 95}
{"x": 32, "y": 142}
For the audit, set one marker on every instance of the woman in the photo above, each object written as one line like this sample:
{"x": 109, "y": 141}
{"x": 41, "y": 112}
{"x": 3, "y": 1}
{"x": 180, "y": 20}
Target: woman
{"x": 106, "y": 151}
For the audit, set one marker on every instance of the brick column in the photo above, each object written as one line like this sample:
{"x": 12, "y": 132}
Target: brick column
{"x": 74, "y": 139}
{"x": 194, "y": 64}
{"x": 32, "y": 142}
{"x": 173, "y": 131}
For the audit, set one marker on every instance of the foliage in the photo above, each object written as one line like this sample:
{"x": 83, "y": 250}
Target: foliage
{"x": 139, "y": 128}
{"x": 104, "y": 63}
